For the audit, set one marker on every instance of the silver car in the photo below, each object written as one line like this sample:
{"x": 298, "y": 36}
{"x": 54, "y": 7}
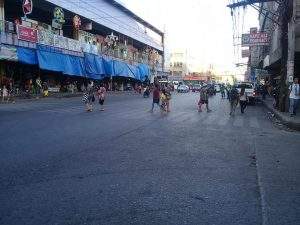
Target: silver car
{"x": 183, "y": 88}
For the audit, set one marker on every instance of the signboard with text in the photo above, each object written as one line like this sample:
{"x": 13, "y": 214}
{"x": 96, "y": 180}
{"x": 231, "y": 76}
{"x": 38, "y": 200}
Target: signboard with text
{"x": 27, "y": 34}
{"x": 255, "y": 39}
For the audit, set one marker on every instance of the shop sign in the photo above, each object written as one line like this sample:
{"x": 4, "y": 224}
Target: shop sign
{"x": 260, "y": 38}
{"x": 45, "y": 37}
{"x": 27, "y": 34}
{"x": 255, "y": 39}
{"x": 27, "y": 7}
{"x": 8, "y": 53}
{"x": 60, "y": 42}
{"x": 245, "y": 53}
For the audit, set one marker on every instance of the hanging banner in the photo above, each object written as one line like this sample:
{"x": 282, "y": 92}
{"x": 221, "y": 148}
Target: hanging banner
{"x": 27, "y": 34}
{"x": 27, "y": 7}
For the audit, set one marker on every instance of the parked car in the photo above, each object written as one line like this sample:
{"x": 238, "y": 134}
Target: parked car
{"x": 196, "y": 87}
{"x": 249, "y": 89}
{"x": 183, "y": 88}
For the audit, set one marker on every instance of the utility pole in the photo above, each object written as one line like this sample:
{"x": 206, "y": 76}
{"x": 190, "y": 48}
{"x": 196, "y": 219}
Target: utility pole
{"x": 287, "y": 43}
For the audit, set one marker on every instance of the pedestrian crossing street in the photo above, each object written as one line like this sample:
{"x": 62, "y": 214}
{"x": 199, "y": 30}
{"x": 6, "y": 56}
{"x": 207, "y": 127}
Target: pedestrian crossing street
{"x": 186, "y": 115}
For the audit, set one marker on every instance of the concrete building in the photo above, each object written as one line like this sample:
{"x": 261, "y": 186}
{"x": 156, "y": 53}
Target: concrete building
{"x": 178, "y": 65}
{"x": 270, "y": 56}
{"x": 95, "y": 40}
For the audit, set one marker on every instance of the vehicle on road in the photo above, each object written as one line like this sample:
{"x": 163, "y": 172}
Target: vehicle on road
{"x": 217, "y": 88}
{"x": 196, "y": 87}
{"x": 183, "y": 88}
{"x": 249, "y": 90}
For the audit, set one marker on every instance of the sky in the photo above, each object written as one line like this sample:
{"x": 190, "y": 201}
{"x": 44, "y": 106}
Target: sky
{"x": 202, "y": 28}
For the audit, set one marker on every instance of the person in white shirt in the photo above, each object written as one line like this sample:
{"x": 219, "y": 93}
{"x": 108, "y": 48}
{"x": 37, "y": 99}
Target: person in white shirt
{"x": 294, "y": 97}
{"x": 243, "y": 99}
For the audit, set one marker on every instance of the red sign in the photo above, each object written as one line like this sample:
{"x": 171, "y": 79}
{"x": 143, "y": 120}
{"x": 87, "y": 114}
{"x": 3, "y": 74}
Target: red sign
{"x": 27, "y": 34}
{"x": 27, "y": 7}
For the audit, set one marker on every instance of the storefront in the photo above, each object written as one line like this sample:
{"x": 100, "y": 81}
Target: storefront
{"x": 64, "y": 53}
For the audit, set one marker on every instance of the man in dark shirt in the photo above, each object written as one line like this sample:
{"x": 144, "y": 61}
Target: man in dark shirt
{"x": 156, "y": 96}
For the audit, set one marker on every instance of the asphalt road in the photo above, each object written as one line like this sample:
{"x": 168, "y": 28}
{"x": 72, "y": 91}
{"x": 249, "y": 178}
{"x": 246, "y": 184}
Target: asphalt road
{"x": 61, "y": 165}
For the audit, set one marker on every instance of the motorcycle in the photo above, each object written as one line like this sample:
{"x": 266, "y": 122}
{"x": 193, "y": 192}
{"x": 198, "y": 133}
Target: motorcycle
{"x": 146, "y": 93}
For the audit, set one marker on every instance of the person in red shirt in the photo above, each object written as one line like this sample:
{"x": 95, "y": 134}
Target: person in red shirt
{"x": 156, "y": 97}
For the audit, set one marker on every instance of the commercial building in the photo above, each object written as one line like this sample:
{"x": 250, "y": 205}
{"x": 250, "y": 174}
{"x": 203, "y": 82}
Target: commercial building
{"x": 61, "y": 41}
{"x": 270, "y": 56}
{"x": 178, "y": 65}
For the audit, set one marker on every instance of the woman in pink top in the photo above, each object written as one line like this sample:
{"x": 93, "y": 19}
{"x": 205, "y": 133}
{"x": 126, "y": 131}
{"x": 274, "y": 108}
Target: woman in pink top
{"x": 101, "y": 95}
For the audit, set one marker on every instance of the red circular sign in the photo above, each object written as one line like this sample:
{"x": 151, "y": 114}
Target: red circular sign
{"x": 27, "y": 7}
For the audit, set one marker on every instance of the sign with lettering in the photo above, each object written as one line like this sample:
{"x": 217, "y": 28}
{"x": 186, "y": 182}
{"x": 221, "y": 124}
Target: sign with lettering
{"x": 27, "y": 34}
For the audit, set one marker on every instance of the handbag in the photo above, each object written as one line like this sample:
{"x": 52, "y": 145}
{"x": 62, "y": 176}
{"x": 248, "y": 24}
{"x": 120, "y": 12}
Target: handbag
{"x": 85, "y": 97}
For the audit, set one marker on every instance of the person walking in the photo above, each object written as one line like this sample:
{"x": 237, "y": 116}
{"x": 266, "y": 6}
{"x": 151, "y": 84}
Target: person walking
{"x": 203, "y": 99}
{"x": 168, "y": 97}
{"x": 89, "y": 97}
{"x": 233, "y": 96}
{"x": 101, "y": 96}
{"x": 5, "y": 95}
{"x": 243, "y": 100}
{"x": 294, "y": 97}
{"x": 222, "y": 90}
{"x": 156, "y": 97}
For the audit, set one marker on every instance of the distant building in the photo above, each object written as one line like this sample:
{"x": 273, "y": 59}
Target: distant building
{"x": 178, "y": 64}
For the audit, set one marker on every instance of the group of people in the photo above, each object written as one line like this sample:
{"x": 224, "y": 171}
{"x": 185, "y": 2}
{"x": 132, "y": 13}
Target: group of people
{"x": 161, "y": 98}
{"x": 91, "y": 94}
{"x": 236, "y": 97}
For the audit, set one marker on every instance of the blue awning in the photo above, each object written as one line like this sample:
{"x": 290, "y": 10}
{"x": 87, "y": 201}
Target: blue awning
{"x": 122, "y": 69}
{"x": 27, "y": 55}
{"x": 50, "y": 59}
{"x": 108, "y": 66}
{"x": 144, "y": 71}
{"x": 94, "y": 66}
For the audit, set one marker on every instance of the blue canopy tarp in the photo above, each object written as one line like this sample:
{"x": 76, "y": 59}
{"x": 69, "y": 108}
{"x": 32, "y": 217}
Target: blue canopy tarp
{"x": 53, "y": 60}
{"x": 27, "y": 55}
{"x": 144, "y": 71}
{"x": 122, "y": 69}
{"x": 94, "y": 66}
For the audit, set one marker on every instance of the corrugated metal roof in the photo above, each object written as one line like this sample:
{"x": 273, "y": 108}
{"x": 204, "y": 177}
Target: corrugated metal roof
{"x": 113, "y": 15}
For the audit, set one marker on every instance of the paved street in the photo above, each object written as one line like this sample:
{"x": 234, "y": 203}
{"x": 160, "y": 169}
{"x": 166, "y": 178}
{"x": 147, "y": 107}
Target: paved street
{"x": 61, "y": 165}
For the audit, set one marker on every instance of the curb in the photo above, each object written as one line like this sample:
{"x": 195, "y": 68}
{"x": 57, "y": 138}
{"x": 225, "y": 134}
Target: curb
{"x": 287, "y": 122}
{"x": 34, "y": 99}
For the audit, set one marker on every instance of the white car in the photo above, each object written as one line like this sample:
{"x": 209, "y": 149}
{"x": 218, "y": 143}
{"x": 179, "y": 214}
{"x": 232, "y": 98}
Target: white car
{"x": 183, "y": 88}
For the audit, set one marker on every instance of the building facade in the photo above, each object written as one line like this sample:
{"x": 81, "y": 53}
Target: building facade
{"x": 178, "y": 64}
{"x": 59, "y": 41}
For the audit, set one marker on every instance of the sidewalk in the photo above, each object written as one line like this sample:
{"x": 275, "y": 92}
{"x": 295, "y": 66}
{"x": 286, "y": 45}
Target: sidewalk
{"x": 284, "y": 117}
{"x": 62, "y": 95}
